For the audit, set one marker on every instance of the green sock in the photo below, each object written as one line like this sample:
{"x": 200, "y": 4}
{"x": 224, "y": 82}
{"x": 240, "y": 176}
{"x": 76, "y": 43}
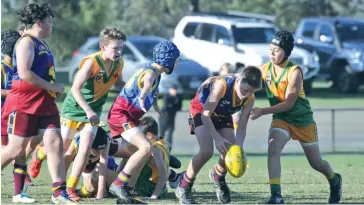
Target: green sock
{"x": 334, "y": 180}
{"x": 275, "y": 189}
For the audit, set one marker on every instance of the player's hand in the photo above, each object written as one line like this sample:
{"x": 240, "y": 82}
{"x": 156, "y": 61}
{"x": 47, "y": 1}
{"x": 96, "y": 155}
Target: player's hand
{"x": 141, "y": 103}
{"x": 58, "y": 88}
{"x": 93, "y": 118}
{"x": 220, "y": 144}
{"x": 256, "y": 113}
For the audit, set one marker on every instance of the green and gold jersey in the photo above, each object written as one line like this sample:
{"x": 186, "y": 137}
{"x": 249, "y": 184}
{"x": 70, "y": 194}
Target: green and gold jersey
{"x": 95, "y": 89}
{"x": 276, "y": 87}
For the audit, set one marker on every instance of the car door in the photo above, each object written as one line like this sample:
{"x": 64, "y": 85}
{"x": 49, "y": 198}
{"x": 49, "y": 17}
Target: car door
{"x": 326, "y": 48}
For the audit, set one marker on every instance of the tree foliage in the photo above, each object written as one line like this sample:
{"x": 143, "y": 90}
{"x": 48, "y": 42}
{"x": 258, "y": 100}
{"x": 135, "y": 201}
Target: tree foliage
{"x": 76, "y": 20}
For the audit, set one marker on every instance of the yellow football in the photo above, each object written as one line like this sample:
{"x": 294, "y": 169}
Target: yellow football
{"x": 235, "y": 161}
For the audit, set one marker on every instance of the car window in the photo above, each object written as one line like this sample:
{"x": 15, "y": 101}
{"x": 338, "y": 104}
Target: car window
{"x": 206, "y": 32}
{"x": 353, "y": 32}
{"x": 253, "y": 35}
{"x": 221, "y": 33}
{"x": 190, "y": 29}
{"x": 309, "y": 29}
{"x": 326, "y": 30}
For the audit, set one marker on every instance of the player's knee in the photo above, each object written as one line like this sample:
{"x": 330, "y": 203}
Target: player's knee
{"x": 274, "y": 149}
{"x": 146, "y": 148}
{"x": 18, "y": 153}
{"x": 206, "y": 154}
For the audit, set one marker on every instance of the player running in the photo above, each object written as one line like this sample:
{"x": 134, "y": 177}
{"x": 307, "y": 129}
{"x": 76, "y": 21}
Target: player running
{"x": 210, "y": 120}
{"x": 292, "y": 117}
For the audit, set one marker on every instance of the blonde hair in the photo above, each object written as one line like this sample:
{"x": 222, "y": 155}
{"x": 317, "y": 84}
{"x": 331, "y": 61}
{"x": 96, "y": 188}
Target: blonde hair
{"x": 108, "y": 34}
{"x": 226, "y": 67}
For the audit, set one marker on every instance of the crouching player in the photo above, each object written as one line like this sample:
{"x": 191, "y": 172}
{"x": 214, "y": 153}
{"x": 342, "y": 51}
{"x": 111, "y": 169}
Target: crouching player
{"x": 210, "y": 120}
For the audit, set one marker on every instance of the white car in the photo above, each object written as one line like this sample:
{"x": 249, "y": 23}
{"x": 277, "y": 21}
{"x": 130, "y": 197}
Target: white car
{"x": 240, "y": 39}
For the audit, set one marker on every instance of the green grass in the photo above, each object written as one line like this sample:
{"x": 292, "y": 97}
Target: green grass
{"x": 300, "y": 183}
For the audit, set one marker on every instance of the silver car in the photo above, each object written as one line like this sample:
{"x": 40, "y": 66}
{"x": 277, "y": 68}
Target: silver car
{"x": 138, "y": 51}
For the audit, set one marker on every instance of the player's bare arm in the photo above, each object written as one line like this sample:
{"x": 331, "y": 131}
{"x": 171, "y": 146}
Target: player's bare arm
{"x": 216, "y": 94}
{"x": 243, "y": 122}
{"x": 162, "y": 180}
{"x": 156, "y": 106}
{"x": 293, "y": 89}
{"x": 148, "y": 80}
{"x": 103, "y": 171}
{"x": 25, "y": 56}
{"x": 80, "y": 79}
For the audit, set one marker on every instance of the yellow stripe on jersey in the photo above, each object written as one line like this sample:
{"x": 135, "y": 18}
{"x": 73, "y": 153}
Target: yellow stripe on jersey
{"x": 140, "y": 83}
{"x": 278, "y": 84}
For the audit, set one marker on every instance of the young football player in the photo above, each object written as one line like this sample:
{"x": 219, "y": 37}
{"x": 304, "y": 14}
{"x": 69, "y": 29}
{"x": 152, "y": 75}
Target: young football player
{"x": 136, "y": 98}
{"x": 292, "y": 117}
{"x": 82, "y": 107}
{"x": 151, "y": 181}
{"x": 210, "y": 120}
{"x": 30, "y": 104}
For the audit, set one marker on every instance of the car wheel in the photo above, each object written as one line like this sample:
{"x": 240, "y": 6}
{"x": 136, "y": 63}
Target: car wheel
{"x": 346, "y": 82}
{"x": 307, "y": 86}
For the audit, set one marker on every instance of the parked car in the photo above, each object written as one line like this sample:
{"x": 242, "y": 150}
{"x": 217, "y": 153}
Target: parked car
{"x": 339, "y": 43}
{"x": 138, "y": 51}
{"x": 238, "y": 38}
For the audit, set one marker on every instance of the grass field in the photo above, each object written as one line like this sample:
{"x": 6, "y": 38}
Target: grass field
{"x": 300, "y": 183}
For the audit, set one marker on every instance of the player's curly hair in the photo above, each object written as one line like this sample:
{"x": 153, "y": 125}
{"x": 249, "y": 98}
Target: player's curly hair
{"x": 8, "y": 41}
{"x": 148, "y": 124}
{"x": 108, "y": 34}
{"x": 284, "y": 39}
{"x": 252, "y": 76}
{"x": 33, "y": 12}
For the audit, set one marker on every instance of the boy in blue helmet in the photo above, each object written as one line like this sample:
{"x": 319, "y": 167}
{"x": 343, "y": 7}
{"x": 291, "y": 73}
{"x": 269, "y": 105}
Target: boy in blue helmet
{"x": 138, "y": 95}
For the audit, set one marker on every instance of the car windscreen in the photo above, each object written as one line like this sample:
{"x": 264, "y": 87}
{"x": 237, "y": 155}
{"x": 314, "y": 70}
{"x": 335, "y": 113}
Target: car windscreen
{"x": 146, "y": 47}
{"x": 350, "y": 32}
{"x": 253, "y": 35}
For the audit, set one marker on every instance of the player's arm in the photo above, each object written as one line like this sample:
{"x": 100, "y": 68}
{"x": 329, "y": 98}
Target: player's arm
{"x": 25, "y": 56}
{"x": 156, "y": 106}
{"x": 147, "y": 80}
{"x": 162, "y": 180}
{"x": 216, "y": 94}
{"x": 80, "y": 79}
{"x": 243, "y": 122}
{"x": 103, "y": 171}
{"x": 292, "y": 93}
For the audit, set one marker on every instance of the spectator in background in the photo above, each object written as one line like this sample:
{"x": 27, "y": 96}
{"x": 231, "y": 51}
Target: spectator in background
{"x": 172, "y": 103}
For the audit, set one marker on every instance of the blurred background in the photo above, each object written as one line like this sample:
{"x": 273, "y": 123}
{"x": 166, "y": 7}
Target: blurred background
{"x": 329, "y": 37}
